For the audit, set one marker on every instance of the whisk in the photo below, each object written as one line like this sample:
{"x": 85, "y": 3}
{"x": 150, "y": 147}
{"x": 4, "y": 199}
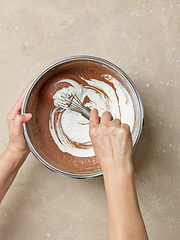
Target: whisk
{"x": 69, "y": 100}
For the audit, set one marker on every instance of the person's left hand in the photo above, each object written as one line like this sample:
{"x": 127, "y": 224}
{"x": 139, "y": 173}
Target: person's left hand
{"x": 17, "y": 144}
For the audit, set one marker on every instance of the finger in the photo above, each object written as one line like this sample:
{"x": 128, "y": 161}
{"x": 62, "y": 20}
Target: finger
{"x": 106, "y": 117}
{"x": 126, "y": 126}
{"x": 17, "y": 106}
{"x": 116, "y": 122}
{"x": 18, "y": 122}
{"x": 94, "y": 118}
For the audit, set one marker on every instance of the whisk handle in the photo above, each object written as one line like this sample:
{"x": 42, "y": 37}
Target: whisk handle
{"x": 86, "y": 112}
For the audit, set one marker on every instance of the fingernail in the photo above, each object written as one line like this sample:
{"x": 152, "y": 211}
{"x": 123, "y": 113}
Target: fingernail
{"x": 28, "y": 115}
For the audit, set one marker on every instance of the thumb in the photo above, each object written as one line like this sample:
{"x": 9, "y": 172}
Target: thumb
{"x": 19, "y": 120}
{"x": 26, "y": 117}
{"x": 22, "y": 118}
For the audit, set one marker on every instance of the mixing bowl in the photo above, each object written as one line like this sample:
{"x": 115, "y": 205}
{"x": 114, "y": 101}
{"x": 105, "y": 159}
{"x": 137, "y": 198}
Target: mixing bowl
{"x": 36, "y": 130}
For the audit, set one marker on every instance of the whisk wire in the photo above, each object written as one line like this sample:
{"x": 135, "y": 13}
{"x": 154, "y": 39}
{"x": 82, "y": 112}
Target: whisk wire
{"x": 72, "y": 102}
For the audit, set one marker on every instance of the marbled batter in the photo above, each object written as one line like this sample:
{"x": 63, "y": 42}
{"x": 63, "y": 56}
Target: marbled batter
{"x": 62, "y": 136}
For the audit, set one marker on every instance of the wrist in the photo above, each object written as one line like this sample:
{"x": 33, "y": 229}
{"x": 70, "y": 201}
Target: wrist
{"x": 120, "y": 167}
{"x": 17, "y": 152}
{"x": 15, "y": 159}
{"x": 119, "y": 173}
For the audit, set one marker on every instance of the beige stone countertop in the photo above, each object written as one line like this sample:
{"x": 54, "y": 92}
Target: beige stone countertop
{"x": 142, "y": 38}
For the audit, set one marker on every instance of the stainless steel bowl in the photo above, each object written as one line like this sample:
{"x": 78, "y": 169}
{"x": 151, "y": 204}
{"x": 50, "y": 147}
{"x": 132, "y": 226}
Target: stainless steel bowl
{"x": 52, "y": 70}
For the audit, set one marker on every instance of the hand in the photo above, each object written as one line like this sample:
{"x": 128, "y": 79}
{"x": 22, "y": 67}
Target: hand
{"x": 111, "y": 141}
{"x": 17, "y": 150}
{"x": 17, "y": 143}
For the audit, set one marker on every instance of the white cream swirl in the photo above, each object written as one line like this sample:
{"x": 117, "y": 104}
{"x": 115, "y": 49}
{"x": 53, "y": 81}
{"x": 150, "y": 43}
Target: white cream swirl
{"x": 70, "y": 130}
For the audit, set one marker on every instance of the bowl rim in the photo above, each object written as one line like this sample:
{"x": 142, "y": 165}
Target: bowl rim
{"x": 50, "y": 67}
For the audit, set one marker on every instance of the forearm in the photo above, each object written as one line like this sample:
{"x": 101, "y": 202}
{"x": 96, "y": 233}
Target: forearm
{"x": 9, "y": 166}
{"x": 125, "y": 221}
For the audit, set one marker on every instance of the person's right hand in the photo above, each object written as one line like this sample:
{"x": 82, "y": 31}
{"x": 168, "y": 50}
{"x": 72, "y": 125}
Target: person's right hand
{"x": 111, "y": 141}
